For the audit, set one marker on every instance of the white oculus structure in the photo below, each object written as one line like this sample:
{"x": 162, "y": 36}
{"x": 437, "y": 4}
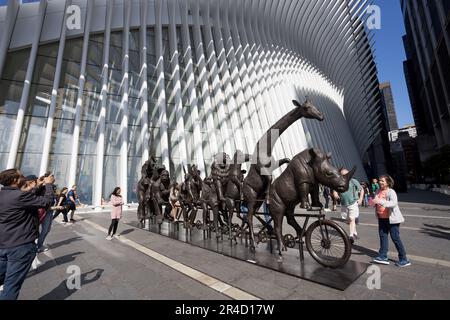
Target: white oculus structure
{"x": 179, "y": 79}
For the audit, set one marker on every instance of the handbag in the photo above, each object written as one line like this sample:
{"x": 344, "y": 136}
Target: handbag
{"x": 42, "y": 212}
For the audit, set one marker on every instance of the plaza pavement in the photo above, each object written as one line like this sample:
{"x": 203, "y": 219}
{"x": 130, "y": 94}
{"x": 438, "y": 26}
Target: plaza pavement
{"x": 143, "y": 265}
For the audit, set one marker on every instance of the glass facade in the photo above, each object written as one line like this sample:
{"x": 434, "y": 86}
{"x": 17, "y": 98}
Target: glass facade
{"x": 11, "y": 87}
{"x": 427, "y": 68}
{"x": 126, "y": 83}
{"x": 31, "y": 146}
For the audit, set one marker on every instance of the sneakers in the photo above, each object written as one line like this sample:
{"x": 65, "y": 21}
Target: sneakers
{"x": 108, "y": 238}
{"x": 43, "y": 249}
{"x": 403, "y": 263}
{"x": 35, "y": 264}
{"x": 352, "y": 240}
{"x": 380, "y": 260}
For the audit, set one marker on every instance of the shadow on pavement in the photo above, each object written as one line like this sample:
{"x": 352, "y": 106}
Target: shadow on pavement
{"x": 52, "y": 263}
{"x": 366, "y": 251}
{"x": 64, "y": 242}
{"x": 436, "y": 233}
{"x": 61, "y": 292}
{"x": 124, "y": 232}
{"x": 424, "y": 197}
{"x": 436, "y": 226}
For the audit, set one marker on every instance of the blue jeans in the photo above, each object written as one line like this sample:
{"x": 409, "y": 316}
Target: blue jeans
{"x": 45, "y": 229}
{"x": 267, "y": 217}
{"x": 384, "y": 228}
{"x": 14, "y": 266}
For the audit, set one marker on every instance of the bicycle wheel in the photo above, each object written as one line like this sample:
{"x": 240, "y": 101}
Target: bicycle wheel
{"x": 328, "y": 243}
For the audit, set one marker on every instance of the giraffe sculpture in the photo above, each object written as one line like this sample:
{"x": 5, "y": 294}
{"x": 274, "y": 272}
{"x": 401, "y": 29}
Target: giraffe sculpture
{"x": 257, "y": 183}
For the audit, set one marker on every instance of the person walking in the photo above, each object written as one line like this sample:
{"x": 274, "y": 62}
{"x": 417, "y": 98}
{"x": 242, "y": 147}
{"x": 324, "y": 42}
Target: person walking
{"x": 350, "y": 202}
{"x": 60, "y": 205}
{"x": 326, "y": 195}
{"x": 389, "y": 220}
{"x": 19, "y": 229}
{"x": 375, "y": 187}
{"x": 71, "y": 202}
{"x": 366, "y": 194}
{"x": 116, "y": 212}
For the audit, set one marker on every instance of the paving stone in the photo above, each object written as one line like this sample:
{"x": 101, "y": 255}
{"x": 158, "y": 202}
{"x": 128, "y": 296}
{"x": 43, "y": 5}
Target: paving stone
{"x": 263, "y": 289}
{"x": 129, "y": 274}
{"x": 358, "y": 292}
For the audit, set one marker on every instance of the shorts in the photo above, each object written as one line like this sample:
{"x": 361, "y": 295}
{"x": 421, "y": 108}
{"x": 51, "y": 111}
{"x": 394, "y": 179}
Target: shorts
{"x": 350, "y": 212}
{"x": 71, "y": 206}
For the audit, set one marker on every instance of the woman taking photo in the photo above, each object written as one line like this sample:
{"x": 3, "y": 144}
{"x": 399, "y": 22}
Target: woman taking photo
{"x": 60, "y": 205}
{"x": 116, "y": 212}
{"x": 389, "y": 220}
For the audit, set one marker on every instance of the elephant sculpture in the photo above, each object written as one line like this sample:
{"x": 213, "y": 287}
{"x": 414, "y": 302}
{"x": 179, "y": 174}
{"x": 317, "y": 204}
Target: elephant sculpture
{"x": 305, "y": 171}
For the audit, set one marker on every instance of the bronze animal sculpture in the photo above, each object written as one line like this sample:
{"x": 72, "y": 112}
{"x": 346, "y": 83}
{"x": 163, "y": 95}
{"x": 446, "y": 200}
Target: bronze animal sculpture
{"x": 219, "y": 174}
{"x": 259, "y": 178}
{"x": 233, "y": 191}
{"x": 209, "y": 199}
{"x": 305, "y": 171}
{"x": 158, "y": 192}
{"x": 143, "y": 184}
{"x": 189, "y": 196}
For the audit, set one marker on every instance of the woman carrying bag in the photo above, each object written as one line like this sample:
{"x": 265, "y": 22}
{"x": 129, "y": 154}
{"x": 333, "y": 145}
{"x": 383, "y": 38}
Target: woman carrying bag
{"x": 389, "y": 220}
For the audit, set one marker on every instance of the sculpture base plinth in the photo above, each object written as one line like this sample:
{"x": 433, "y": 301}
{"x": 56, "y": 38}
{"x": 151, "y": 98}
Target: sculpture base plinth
{"x": 309, "y": 269}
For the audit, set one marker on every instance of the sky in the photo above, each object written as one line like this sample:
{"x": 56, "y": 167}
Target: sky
{"x": 389, "y": 56}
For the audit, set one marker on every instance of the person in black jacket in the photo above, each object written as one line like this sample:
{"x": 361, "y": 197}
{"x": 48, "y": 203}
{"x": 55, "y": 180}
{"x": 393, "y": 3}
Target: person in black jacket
{"x": 19, "y": 228}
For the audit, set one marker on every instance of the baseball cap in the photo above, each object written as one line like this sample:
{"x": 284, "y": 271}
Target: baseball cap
{"x": 31, "y": 178}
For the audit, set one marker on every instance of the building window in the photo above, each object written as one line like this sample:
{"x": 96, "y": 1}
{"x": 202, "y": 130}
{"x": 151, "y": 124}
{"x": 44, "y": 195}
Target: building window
{"x": 11, "y": 86}
{"x": 435, "y": 19}
{"x": 444, "y": 60}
